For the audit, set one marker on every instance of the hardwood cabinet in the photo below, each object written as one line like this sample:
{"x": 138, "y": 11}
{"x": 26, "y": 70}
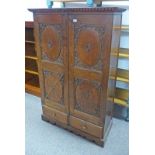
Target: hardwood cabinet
{"x": 31, "y": 68}
{"x": 77, "y": 58}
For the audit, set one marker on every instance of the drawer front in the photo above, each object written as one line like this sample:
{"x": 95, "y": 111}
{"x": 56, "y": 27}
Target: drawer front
{"x": 86, "y": 127}
{"x": 54, "y": 115}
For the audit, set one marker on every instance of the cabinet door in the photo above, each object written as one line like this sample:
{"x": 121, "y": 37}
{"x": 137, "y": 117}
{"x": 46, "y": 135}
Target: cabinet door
{"x": 89, "y": 51}
{"x": 50, "y": 35}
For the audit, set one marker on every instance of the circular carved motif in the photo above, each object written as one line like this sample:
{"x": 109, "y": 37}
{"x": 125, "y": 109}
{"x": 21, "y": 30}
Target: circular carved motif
{"x": 50, "y": 43}
{"x": 53, "y": 88}
{"x": 88, "y": 47}
{"x": 87, "y": 97}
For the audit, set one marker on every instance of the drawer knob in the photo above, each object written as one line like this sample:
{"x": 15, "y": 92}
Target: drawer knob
{"x": 84, "y": 127}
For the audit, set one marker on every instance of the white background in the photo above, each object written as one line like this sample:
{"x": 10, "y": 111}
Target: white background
{"x": 12, "y": 83}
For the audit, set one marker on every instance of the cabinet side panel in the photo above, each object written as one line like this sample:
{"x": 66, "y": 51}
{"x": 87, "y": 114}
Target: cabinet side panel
{"x": 37, "y": 49}
{"x": 112, "y": 71}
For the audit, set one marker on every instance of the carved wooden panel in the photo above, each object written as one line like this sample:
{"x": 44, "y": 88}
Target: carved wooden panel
{"x": 51, "y": 42}
{"x": 87, "y": 96}
{"x": 74, "y": 45}
{"x": 88, "y": 46}
{"x": 86, "y": 66}
{"x": 54, "y": 86}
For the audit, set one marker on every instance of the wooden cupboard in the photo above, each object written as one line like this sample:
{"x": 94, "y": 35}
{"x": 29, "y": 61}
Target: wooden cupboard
{"x": 77, "y": 51}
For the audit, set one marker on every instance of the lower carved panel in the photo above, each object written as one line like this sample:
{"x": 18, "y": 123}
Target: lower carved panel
{"x": 54, "y": 86}
{"x": 87, "y": 96}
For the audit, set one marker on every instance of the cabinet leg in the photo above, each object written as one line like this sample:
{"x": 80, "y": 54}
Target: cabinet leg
{"x": 44, "y": 118}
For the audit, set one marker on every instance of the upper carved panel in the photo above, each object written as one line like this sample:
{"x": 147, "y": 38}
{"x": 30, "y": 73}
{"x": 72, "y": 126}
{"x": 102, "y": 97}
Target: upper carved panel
{"x": 88, "y": 46}
{"x": 51, "y": 42}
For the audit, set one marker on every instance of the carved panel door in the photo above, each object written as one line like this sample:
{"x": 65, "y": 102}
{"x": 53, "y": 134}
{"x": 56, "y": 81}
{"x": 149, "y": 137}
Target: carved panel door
{"x": 53, "y": 60}
{"x": 89, "y": 38}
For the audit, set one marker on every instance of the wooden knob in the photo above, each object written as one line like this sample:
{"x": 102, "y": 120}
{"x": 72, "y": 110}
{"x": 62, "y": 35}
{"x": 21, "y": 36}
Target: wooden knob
{"x": 84, "y": 127}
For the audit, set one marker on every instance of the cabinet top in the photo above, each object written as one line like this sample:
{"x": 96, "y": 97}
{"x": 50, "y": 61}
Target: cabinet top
{"x": 78, "y": 10}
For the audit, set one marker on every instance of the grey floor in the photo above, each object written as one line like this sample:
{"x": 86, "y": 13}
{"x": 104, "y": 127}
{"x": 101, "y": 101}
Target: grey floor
{"x": 42, "y": 138}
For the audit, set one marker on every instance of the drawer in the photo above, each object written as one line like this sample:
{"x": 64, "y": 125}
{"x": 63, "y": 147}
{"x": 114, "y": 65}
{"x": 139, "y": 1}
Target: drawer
{"x": 86, "y": 127}
{"x": 54, "y": 115}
